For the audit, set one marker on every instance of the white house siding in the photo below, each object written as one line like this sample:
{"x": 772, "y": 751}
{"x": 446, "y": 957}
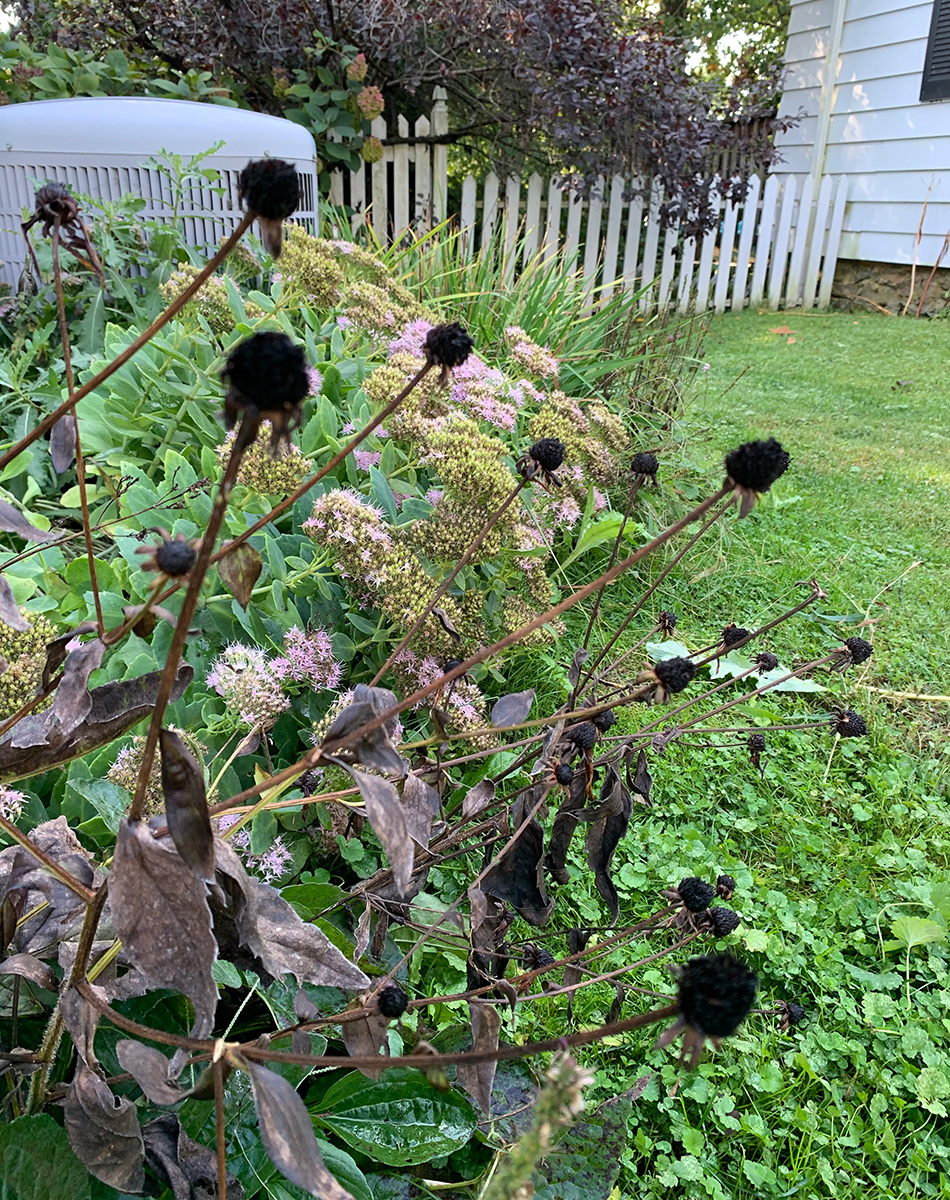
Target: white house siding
{"x": 894, "y": 150}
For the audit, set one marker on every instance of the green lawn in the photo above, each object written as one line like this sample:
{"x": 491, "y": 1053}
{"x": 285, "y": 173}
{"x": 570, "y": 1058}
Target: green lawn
{"x": 841, "y": 858}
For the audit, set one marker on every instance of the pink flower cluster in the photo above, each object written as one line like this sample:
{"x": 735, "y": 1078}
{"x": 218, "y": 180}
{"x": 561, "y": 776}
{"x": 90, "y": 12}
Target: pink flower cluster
{"x": 270, "y": 865}
{"x": 245, "y": 677}
{"x": 460, "y": 696}
{"x": 308, "y": 658}
{"x": 314, "y": 382}
{"x": 370, "y": 102}
{"x": 411, "y": 339}
{"x": 11, "y": 803}
{"x": 367, "y": 458}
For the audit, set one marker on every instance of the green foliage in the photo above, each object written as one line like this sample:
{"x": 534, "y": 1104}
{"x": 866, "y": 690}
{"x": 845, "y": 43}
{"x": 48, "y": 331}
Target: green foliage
{"x": 37, "y": 1162}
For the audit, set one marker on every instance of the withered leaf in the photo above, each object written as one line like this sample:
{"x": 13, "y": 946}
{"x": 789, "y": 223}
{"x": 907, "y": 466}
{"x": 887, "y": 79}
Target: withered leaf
{"x": 9, "y": 612}
{"x": 443, "y": 618}
{"x": 62, "y": 443}
{"x": 615, "y": 1010}
{"x": 186, "y": 805}
{"x": 577, "y": 941}
{"x": 608, "y": 826}
{"x": 304, "y": 1007}
{"x": 56, "y": 650}
{"x": 29, "y": 967}
{"x": 73, "y": 700}
{"x": 81, "y": 1021}
{"x": 115, "y": 708}
{"x": 490, "y": 921}
{"x": 112, "y": 985}
{"x": 388, "y": 819}
{"x": 421, "y": 807}
{"x": 189, "y": 1169}
{"x": 574, "y": 672}
{"x": 551, "y": 739}
{"x": 149, "y": 1068}
{"x": 13, "y": 521}
{"x": 477, "y": 1078}
{"x": 367, "y": 1036}
{"x": 642, "y": 782}
{"x": 363, "y": 927}
{"x": 478, "y": 798}
{"x": 104, "y": 1132}
{"x": 248, "y": 744}
{"x": 160, "y": 913}
{"x": 568, "y": 815}
{"x": 371, "y": 749}
{"x": 270, "y": 929}
{"x": 240, "y": 569}
{"x": 287, "y": 1134}
{"x": 512, "y": 709}
{"x": 517, "y": 877}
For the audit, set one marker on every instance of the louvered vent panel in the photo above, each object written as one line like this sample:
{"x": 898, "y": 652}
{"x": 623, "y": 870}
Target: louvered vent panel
{"x": 935, "y": 83}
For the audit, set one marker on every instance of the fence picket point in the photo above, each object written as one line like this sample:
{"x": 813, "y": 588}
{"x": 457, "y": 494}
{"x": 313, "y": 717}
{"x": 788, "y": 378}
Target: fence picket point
{"x": 631, "y": 252}
{"x": 489, "y": 208}
{"x": 750, "y": 209}
{"x": 440, "y": 155}
{"x": 512, "y": 224}
{"x": 650, "y": 246}
{"x": 802, "y": 225}
{"x": 595, "y": 209}
{"x": 684, "y": 287}
{"x": 422, "y": 207}
{"x": 612, "y": 241}
{"x": 817, "y": 243}
{"x": 834, "y": 238}
{"x": 379, "y": 180}
{"x": 401, "y": 182}
{"x": 572, "y": 240}
{"x": 707, "y": 252}
{"x": 469, "y": 214}
{"x": 764, "y": 243}
{"x": 782, "y": 233}
{"x": 724, "y": 266}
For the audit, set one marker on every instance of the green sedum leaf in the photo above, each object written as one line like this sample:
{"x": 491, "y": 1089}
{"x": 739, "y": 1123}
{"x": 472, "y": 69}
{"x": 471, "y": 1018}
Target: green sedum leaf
{"x": 38, "y": 1163}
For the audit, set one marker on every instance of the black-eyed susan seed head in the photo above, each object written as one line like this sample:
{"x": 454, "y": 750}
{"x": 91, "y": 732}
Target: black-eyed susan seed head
{"x": 675, "y": 673}
{"x": 173, "y": 556}
{"x": 716, "y": 993}
{"x": 850, "y": 724}
{"x": 733, "y": 634}
{"x": 267, "y": 377}
{"x": 584, "y": 736}
{"x": 55, "y": 201}
{"x": 695, "y": 893}
{"x": 756, "y": 742}
{"x": 645, "y": 464}
{"x": 666, "y": 621}
{"x": 766, "y": 661}
{"x": 605, "y": 720}
{"x": 447, "y": 346}
{"x": 392, "y": 1001}
{"x": 548, "y": 453}
{"x": 859, "y": 650}
{"x": 722, "y": 921}
{"x": 564, "y": 774}
{"x": 753, "y": 467}
{"x": 725, "y": 887}
{"x": 270, "y": 189}
{"x": 796, "y": 1012}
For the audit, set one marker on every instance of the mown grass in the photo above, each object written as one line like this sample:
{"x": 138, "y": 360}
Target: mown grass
{"x": 829, "y": 849}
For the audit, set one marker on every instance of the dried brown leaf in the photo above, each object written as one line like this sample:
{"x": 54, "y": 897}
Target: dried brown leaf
{"x": 421, "y": 807}
{"x": 366, "y": 1036}
{"x": 287, "y": 1134}
{"x": 81, "y": 1021}
{"x": 189, "y": 1169}
{"x": 574, "y": 672}
{"x": 149, "y": 1068}
{"x": 9, "y": 611}
{"x": 13, "y": 521}
{"x": 362, "y": 932}
{"x": 477, "y": 1078}
{"x": 642, "y": 783}
{"x": 27, "y": 748}
{"x": 186, "y": 805}
{"x": 512, "y": 709}
{"x": 29, "y": 967}
{"x": 371, "y": 749}
{"x": 517, "y": 877}
{"x": 104, "y": 1132}
{"x": 62, "y": 443}
{"x": 160, "y": 913}
{"x": 240, "y": 569}
{"x": 73, "y": 700}
{"x": 608, "y": 826}
{"x": 478, "y": 798}
{"x": 270, "y": 929}
{"x": 388, "y": 819}
{"x": 566, "y": 821}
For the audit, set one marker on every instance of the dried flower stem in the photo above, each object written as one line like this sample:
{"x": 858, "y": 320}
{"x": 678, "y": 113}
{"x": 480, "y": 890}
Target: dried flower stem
{"x": 816, "y": 593}
{"x": 130, "y": 351}
{"x": 80, "y": 460}
{"x": 450, "y": 578}
{"x": 170, "y": 671}
{"x": 615, "y": 550}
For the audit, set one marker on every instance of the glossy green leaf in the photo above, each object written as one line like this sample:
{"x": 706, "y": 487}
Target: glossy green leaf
{"x": 38, "y": 1163}
{"x": 399, "y": 1119}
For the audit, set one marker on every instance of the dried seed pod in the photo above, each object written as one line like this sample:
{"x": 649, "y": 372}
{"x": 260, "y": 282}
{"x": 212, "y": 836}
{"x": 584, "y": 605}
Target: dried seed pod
{"x": 270, "y": 189}
{"x": 392, "y": 1001}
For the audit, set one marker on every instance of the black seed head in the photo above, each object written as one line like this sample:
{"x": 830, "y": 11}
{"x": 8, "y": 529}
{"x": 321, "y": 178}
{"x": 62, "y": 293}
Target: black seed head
{"x": 757, "y": 465}
{"x": 850, "y": 724}
{"x": 723, "y": 921}
{"x": 732, "y": 634}
{"x": 666, "y": 620}
{"x": 564, "y": 774}
{"x": 645, "y": 464}
{"x": 548, "y": 453}
{"x": 534, "y": 957}
{"x": 450, "y": 664}
{"x": 448, "y": 345}
{"x": 695, "y": 894}
{"x": 268, "y": 371}
{"x": 794, "y": 1012}
{"x": 756, "y": 742}
{"x": 605, "y": 720}
{"x": 766, "y": 661}
{"x": 392, "y": 1001}
{"x": 583, "y": 736}
{"x": 54, "y": 200}
{"x": 675, "y": 673}
{"x": 175, "y": 557}
{"x": 309, "y": 782}
{"x": 859, "y": 649}
{"x": 716, "y": 993}
{"x": 269, "y": 188}
{"x": 726, "y": 886}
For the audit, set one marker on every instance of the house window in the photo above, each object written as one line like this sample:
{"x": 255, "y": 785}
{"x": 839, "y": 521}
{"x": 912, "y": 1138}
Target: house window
{"x": 935, "y": 84}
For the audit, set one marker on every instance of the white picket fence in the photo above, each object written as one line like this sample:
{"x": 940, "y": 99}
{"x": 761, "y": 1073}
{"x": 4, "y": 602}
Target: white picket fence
{"x": 777, "y": 248}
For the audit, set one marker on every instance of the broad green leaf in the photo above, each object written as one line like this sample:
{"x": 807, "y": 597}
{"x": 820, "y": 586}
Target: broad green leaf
{"x": 915, "y": 931}
{"x": 400, "y": 1119}
{"x": 38, "y": 1163}
{"x": 932, "y": 1086}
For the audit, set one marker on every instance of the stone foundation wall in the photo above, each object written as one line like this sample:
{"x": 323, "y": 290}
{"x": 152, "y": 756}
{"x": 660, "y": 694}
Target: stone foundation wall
{"x": 863, "y": 286}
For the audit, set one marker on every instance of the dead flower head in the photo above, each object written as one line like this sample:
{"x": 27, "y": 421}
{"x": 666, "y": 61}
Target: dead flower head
{"x": 447, "y": 346}
{"x": 267, "y": 374}
{"x": 269, "y": 188}
{"x": 56, "y": 209}
{"x": 173, "y": 556}
{"x": 670, "y": 675}
{"x": 854, "y": 652}
{"x": 752, "y": 468}
{"x": 542, "y": 461}
{"x": 716, "y": 993}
